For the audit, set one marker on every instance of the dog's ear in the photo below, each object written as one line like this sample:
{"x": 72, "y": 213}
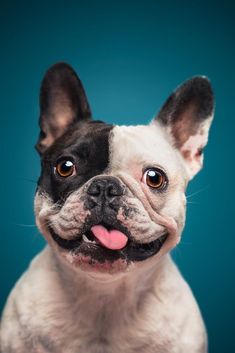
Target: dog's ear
{"x": 187, "y": 115}
{"x": 63, "y": 102}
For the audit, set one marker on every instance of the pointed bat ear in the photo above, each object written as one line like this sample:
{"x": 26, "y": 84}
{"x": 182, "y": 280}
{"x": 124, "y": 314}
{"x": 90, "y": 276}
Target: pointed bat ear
{"x": 63, "y": 102}
{"x": 187, "y": 115}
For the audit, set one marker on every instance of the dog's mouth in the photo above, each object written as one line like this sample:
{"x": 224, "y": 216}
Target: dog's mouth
{"x": 103, "y": 242}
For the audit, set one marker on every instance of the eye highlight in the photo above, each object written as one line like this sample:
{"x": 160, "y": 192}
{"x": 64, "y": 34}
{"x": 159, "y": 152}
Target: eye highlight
{"x": 65, "y": 168}
{"x": 155, "y": 178}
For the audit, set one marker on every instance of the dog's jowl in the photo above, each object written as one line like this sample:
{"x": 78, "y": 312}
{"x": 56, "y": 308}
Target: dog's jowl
{"x": 111, "y": 204}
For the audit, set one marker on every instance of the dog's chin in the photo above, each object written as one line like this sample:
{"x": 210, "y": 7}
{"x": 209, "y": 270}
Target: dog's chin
{"x": 87, "y": 252}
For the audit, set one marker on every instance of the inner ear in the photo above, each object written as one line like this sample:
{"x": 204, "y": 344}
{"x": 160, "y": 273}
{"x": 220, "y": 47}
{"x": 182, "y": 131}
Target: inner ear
{"x": 63, "y": 102}
{"x": 187, "y": 116}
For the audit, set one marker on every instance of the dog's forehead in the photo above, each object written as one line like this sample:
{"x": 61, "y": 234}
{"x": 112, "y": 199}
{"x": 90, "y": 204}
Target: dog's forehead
{"x": 142, "y": 145}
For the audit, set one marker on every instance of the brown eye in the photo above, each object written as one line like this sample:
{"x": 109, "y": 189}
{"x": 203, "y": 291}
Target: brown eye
{"x": 155, "y": 178}
{"x": 65, "y": 168}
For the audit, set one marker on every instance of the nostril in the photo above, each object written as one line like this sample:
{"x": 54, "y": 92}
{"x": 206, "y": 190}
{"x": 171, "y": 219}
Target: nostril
{"x": 113, "y": 190}
{"x": 94, "y": 189}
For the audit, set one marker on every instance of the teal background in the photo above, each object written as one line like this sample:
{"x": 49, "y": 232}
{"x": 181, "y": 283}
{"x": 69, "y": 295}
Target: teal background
{"x": 129, "y": 55}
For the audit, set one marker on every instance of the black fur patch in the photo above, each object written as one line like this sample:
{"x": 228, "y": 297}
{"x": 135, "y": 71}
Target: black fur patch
{"x": 87, "y": 145}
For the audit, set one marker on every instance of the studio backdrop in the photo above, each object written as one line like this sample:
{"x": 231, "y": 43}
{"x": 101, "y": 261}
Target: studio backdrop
{"x": 130, "y": 55}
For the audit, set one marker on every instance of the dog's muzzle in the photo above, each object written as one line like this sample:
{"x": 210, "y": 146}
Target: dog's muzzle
{"x": 104, "y": 237}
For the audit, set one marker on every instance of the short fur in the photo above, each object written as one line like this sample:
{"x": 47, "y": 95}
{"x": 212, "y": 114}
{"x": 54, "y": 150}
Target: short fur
{"x": 78, "y": 296}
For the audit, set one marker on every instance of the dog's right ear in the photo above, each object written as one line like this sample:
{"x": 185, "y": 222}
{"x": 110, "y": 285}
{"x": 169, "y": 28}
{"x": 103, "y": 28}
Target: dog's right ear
{"x": 63, "y": 102}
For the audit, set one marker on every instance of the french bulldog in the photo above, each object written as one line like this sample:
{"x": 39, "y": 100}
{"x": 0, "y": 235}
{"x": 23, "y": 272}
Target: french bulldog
{"x": 111, "y": 204}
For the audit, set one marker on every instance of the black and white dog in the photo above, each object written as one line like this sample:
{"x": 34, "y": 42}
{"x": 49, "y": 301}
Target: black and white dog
{"x": 111, "y": 204}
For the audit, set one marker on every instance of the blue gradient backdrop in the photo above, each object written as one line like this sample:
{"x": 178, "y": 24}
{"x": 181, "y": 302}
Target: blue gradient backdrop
{"x": 129, "y": 55}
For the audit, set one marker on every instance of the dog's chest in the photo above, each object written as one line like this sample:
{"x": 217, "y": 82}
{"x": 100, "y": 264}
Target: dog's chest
{"x": 106, "y": 327}
{"x": 115, "y": 337}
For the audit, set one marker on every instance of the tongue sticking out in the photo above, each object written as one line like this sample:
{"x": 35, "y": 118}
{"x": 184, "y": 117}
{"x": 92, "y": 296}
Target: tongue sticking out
{"x": 113, "y": 239}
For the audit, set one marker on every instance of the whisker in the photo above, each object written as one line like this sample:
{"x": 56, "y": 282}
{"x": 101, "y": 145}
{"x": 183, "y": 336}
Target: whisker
{"x": 26, "y": 225}
{"x": 197, "y": 192}
{"x": 185, "y": 243}
{"x": 177, "y": 251}
{"x": 27, "y": 179}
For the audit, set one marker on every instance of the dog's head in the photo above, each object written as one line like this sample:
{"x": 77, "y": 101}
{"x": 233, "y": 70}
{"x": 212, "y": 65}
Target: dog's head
{"x": 110, "y": 196}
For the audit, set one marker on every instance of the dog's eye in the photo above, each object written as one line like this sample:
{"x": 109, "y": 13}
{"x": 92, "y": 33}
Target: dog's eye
{"x": 155, "y": 178}
{"x": 65, "y": 168}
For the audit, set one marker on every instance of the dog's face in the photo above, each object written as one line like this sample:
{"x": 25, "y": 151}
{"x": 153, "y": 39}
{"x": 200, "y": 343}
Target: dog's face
{"x": 111, "y": 196}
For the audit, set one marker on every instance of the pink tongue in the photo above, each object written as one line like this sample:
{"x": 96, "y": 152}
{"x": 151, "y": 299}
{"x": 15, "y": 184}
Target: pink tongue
{"x": 113, "y": 239}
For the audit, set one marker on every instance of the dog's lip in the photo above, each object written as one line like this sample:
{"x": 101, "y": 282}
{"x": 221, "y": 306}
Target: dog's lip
{"x": 65, "y": 243}
{"x": 132, "y": 250}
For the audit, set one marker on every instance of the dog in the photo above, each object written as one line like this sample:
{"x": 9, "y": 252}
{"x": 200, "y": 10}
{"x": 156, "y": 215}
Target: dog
{"x": 110, "y": 202}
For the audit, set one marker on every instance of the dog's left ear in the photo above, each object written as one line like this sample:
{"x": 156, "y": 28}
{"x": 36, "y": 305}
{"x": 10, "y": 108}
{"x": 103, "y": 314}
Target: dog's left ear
{"x": 63, "y": 102}
{"x": 187, "y": 115}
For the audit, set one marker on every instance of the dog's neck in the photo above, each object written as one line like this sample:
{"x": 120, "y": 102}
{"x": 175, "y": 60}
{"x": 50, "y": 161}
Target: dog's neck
{"x": 94, "y": 294}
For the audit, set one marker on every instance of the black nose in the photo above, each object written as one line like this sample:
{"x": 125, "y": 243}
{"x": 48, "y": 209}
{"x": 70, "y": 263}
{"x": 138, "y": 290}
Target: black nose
{"x": 104, "y": 190}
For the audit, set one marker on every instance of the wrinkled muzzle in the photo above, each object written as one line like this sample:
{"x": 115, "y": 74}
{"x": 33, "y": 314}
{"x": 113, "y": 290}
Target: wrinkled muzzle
{"x": 104, "y": 221}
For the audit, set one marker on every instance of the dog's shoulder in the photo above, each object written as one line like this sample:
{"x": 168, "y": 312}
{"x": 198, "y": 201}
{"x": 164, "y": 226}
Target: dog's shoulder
{"x": 177, "y": 311}
{"x": 26, "y": 303}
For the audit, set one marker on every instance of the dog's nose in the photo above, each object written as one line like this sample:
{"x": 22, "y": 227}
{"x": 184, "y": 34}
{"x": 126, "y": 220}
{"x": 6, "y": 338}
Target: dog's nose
{"x": 107, "y": 187}
{"x": 104, "y": 190}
